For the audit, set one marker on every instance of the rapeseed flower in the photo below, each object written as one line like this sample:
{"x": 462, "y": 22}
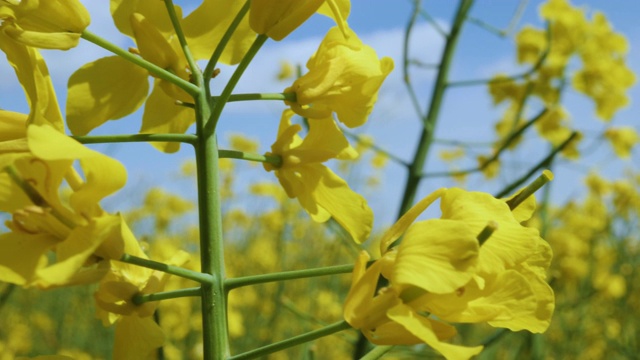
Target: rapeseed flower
{"x": 321, "y": 192}
{"x": 344, "y": 78}
{"x": 111, "y": 87}
{"x": 477, "y": 263}
{"x": 76, "y": 230}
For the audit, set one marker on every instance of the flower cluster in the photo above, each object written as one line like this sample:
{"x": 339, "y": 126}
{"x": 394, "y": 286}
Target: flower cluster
{"x": 476, "y": 263}
{"x": 603, "y": 75}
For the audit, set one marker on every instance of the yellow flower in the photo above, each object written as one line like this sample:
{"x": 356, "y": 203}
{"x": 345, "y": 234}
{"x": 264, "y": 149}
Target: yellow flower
{"x": 622, "y": 139}
{"x": 33, "y": 75}
{"x": 344, "y": 77}
{"x": 319, "y": 190}
{"x": 442, "y": 272}
{"x": 51, "y": 24}
{"x": 111, "y": 87}
{"x": 114, "y": 298}
{"x": 80, "y": 233}
{"x": 278, "y": 18}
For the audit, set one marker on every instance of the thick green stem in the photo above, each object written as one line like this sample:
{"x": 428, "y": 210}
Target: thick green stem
{"x": 150, "y": 67}
{"x": 426, "y": 137}
{"x": 214, "y": 314}
{"x": 222, "y": 100}
{"x": 287, "y": 275}
{"x": 296, "y": 340}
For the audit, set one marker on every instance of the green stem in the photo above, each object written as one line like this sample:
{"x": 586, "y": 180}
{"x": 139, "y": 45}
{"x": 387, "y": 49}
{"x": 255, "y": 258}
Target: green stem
{"x": 496, "y": 155}
{"x": 231, "y": 284}
{"x": 294, "y": 341}
{"x": 165, "y": 295}
{"x": 215, "y": 336}
{"x": 261, "y": 96}
{"x": 177, "y": 27}
{"x": 375, "y": 147}
{"x": 377, "y": 352}
{"x": 426, "y": 137}
{"x": 276, "y": 160}
{"x": 545, "y": 163}
{"x": 169, "y": 269}
{"x": 213, "y": 61}
{"x": 406, "y": 78}
{"x": 523, "y": 75}
{"x": 155, "y": 70}
{"x": 222, "y": 100}
{"x": 102, "y": 139}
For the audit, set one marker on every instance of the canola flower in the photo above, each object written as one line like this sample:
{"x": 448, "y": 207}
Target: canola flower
{"x": 477, "y": 263}
{"x": 319, "y": 190}
{"x": 111, "y": 87}
{"x": 53, "y": 24}
{"x": 80, "y": 234}
{"x": 344, "y": 78}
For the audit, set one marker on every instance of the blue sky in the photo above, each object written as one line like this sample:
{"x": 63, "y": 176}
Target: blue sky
{"x": 467, "y": 113}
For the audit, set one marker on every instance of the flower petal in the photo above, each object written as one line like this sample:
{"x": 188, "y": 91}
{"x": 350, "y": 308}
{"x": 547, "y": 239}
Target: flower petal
{"x": 106, "y": 89}
{"x": 422, "y": 328}
{"x": 438, "y": 256}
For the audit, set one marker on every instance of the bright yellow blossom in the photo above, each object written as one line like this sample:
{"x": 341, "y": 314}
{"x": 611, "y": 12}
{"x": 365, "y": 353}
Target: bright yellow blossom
{"x": 114, "y": 298}
{"x": 80, "y": 234}
{"x": 344, "y": 77}
{"x": 442, "y": 272}
{"x": 278, "y": 18}
{"x": 111, "y": 87}
{"x": 319, "y": 190}
{"x": 50, "y": 24}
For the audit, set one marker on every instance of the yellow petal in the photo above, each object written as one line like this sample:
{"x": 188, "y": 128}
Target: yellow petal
{"x": 54, "y": 24}
{"x": 153, "y": 46}
{"x": 13, "y": 125}
{"x": 278, "y": 18}
{"x": 333, "y": 194}
{"x": 33, "y": 75}
{"x": 103, "y": 174}
{"x": 136, "y": 338}
{"x": 438, "y": 256}
{"x": 338, "y": 10}
{"x": 121, "y": 11}
{"x": 324, "y": 141}
{"x": 407, "y": 219}
{"x": 20, "y": 270}
{"x": 344, "y": 77}
{"x": 422, "y": 328}
{"x": 509, "y": 245}
{"x": 206, "y": 25}
{"x": 163, "y": 116}
{"x": 106, "y": 89}
{"x": 38, "y": 39}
